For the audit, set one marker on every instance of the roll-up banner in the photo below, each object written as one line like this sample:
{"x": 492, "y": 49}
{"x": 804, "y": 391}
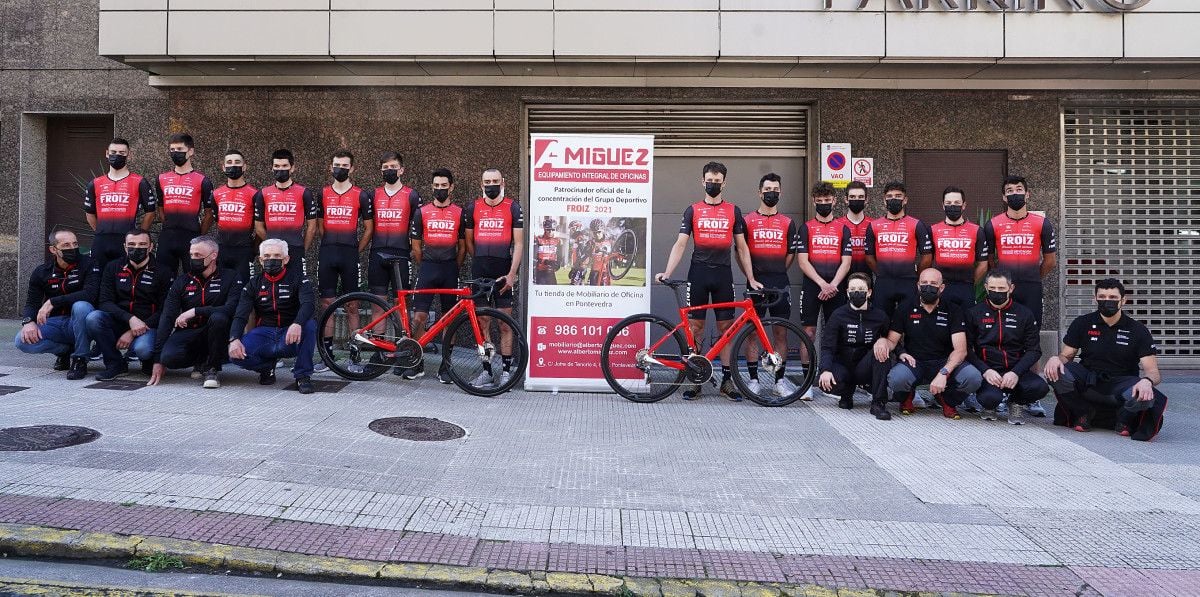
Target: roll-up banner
{"x": 589, "y": 215}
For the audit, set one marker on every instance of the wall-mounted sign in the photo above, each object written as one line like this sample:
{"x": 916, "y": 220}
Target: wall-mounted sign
{"x": 1003, "y": 5}
{"x": 863, "y": 170}
{"x": 835, "y": 164}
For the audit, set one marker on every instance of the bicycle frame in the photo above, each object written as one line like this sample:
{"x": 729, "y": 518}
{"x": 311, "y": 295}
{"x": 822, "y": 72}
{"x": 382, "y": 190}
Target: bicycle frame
{"x": 465, "y": 302}
{"x": 749, "y": 315}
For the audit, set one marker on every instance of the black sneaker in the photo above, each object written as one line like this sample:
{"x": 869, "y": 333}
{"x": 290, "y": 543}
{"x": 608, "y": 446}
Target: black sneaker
{"x": 118, "y": 369}
{"x": 304, "y": 385}
{"x": 444, "y": 376}
{"x": 692, "y": 393}
{"x": 846, "y": 402}
{"x": 414, "y": 372}
{"x": 62, "y": 362}
{"x": 147, "y": 368}
{"x": 729, "y": 390}
{"x": 266, "y": 377}
{"x": 879, "y": 409}
{"x": 78, "y": 368}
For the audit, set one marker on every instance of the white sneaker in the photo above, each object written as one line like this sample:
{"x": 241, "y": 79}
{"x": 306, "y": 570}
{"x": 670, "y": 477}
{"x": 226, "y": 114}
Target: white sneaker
{"x": 505, "y": 377}
{"x": 755, "y": 387}
{"x": 808, "y": 395}
{"x": 483, "y": 379}
{"x": 354, "y": 368}
{"x": 1036, "y": 409}
{"x": 784, "y": 387}
{"x": 918, "y": 401}
{"x": 1002, "y": 410}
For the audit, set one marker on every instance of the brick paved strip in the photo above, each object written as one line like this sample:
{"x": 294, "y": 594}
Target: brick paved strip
{"x": 66, "y": 527}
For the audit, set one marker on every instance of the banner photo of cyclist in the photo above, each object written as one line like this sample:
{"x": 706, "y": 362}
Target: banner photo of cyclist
{"x": 590, "y": 204}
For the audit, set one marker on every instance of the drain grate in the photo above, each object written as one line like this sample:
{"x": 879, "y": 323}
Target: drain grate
{"x": 121, "y": 385}
{"x": 39, "y": 438}
{"x": 6, "y": 390}
{"x": 417, "y": 429}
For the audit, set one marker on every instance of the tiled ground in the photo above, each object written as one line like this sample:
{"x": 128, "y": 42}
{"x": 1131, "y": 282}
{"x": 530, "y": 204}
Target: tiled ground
{"x": 594, "y": 483}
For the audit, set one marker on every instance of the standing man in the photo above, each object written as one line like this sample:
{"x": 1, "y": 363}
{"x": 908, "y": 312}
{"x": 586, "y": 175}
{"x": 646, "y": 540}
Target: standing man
{"x": 580, "y": 252}
{"x": 393, "y": 204}
{"x": 856, "y": 220}
{"x": 339, "y": 210}
{"x": 234, "y": 204}
{"x": 438, "y": 249}
{"x": 770, "y": 240}
{"x": 286, "y": 210}
{"x": 934, "y": 349}
{"x": 717, "y": 226}
{"x": 849, "y": 358}
{"x": 601, "y": 254}
{"x": 184, "y": 206}
{"x": 1003, "y": 343}
{"x": 1111, "y": 347}
{"x": 193, "y": 330}
{"x": 495, "y": 232}
{"x": 959, "y": 250}
{"x": 283, "y": 302}
{"x": 898, "y": 247}
{"x": 111, "y": 203}
{"x": 824, "y": 254}
{"x": 1025, "y": 244}
{"x": 547, "y": 254}
{"x": 131, "y": 297}
{"x": 61, "y": 295}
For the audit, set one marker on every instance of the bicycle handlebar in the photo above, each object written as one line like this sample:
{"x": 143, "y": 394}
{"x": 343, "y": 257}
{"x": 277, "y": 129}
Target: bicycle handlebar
{"x": 482, "y": 287}
{"x": 766, "y": 293}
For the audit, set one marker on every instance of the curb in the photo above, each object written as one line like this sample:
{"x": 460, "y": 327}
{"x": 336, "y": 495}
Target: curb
{"x": 39, "y": 541}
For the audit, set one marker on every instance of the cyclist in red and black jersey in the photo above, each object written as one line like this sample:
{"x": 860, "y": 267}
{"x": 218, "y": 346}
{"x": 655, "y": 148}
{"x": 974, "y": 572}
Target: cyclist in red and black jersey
{"x": 770, "y": 239}
{"x": 286, "y": 210}
{"x": 233, "y": 203}
{"x": 857, "y": 221}
{"x": 394, "y": 204}
{"x": 112, "y": 201}
{"x": 547, "y": 254}
{"x": 495, "y": 232}
{"x": 184, "y": 204}
{"x": 601, "y": 255}
{"x": 715, "y": 226}
{"x": 824, "y": 254}
{"x": 438, "y": 249}
{"x": 898, "y": 247}
{"x": 339, "y": 209}
{"x": 959, "y": 250}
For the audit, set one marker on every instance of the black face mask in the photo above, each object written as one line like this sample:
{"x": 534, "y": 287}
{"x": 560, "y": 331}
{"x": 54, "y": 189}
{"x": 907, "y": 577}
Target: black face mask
{"x": 272, "y": 266}
{"x": 824, "y": 209}
{"x": 391, "y": 176}
{"x": 1109, "y": 307}
{"x": 856, "y": 205}
{"x": 234, "y": 172}
{"x": 283, "y": 175}
{"x": 491, "y": 191}
{"x": 179, "y": 158}
{"x": 137, "y": 255}
{"x": 712, "y": 189}
{"x": 857, "y": 298}
{"x": 69, "y": 256}
{"x": 341, "y": 174}
{"x": 117, "y": 161}
{"x": 770, "y": 198}
{"x": 197, "y": 266}
{"x": 441, "y": 194}
{"x": 894, "y": 206}
{"x": 1015, "y": 201}
{"x": 953, "y": 212}
{"x": 929, "y": 294}
{"x": 998, "y": 299}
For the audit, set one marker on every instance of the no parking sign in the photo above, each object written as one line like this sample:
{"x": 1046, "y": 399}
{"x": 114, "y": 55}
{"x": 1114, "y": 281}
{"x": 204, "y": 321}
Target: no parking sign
{"x": 836, "y": 164}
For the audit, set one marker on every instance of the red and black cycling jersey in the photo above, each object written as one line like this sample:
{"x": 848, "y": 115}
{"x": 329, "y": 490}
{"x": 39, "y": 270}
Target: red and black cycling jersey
{"x": 116, "y": 203}
{"x": 896, "y": 245}
{"x": 1019, "y": 244}
{"x": 712, "y": 228}
{"x": 825, "y": 243}
{"x": 393, "y": 218}
{"x": 126, "y": 292}
{"x": 62, "y": 287}
{"x": 770, "y": 238}
{"x": 284, "y": 211}
{"x": 182, "y": 198}
{"x": 858, "y": 244}
{"x": 340, "y": 213}
{"x": 439, "y": 229}
{"x": 546, "y": 252}
{"x": 234, "y": 208}
{"x": 277, "y": 301}
{"x": 956, "y": 250}
{"x": 492, "y": 226}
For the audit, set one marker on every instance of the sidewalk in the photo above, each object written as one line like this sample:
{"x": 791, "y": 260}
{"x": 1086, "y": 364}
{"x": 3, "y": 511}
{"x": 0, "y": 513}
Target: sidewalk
{"x": 808, "y": 495}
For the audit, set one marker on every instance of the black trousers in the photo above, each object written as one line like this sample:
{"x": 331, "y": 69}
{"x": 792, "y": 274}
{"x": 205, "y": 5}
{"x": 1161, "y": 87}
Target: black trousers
{"x": 174, "y": 249}
{"x": 1106, "y": 401}
{"x": 205, "y": 346}
{"x": 960, "y": 293}
{"x": 237, "y": 259}
{"x": 1030, "y": 388}
{"x": 890, "y": 293}
{"x": 1029, "y": 295}
{"x": 865, "y": 371}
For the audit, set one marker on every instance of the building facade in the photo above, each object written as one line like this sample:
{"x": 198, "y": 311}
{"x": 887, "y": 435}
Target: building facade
{"x": 1096, "y": 102}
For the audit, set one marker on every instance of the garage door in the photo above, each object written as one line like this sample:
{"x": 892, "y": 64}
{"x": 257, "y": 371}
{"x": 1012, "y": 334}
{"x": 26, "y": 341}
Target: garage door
{"x": 1132, "y": 211}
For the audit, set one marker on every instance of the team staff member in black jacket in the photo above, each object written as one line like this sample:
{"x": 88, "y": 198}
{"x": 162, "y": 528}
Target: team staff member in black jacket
{"x": 1002, "y": 336}
{"x": 284, "y": 300}
{"x": 61, "y": 294}
{"x": 848, "y": 356}
{"x": 194, "y": 328}
{"x": 130, "y": 300}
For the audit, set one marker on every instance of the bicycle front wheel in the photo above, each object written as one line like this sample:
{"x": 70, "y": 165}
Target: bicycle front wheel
{"x": 634, "y": 354}
{"x": 780, "y": 374}
{"x": 348, "y": 356}
{"x": 478, "y": 367}
{"x": 624, "y": 252}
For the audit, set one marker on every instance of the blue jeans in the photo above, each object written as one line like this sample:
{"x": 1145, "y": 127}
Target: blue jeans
{"x": 963, "y": 381}
{"x": 62, "y": 334}
{"x": 104, "y": 330}
{"x": 265, "y": 345}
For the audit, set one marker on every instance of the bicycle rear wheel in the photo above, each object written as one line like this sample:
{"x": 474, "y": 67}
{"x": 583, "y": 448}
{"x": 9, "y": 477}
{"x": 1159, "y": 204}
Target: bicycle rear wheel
{"x": 780, "y": 375}
{"x": 624, "y": 252}
{"x": 353, "y": 358}
{"x": 479, "y": 368}
{"x": 632, "y": 356}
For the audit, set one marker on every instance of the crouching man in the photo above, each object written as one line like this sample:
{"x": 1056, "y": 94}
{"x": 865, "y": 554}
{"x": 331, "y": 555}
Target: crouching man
{"x": 61, "y": 295}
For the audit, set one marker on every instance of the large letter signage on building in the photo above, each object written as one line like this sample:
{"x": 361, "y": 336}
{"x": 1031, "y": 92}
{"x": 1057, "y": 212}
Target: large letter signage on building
{"x": 1002, "y": 5}
{"x": 589, "y": 216}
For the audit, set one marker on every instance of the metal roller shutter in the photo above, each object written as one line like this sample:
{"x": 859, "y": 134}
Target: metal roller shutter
{"x": 1132, "y": 211}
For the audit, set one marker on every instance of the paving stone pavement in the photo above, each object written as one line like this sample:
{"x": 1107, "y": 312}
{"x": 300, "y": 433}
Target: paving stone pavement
{"x": 593, "y": 483}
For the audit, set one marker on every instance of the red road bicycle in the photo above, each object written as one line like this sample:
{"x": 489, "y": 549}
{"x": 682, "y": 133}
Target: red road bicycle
{"x": 471, "y": 347}
{"x": 645, "y": 358}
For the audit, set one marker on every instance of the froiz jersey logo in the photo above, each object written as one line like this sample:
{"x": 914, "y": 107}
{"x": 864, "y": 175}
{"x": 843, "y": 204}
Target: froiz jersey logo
{"x": 953, "y": 243}
{"x": 712, "y": 224}
{"x": 554, "y": 154}
{"x": 281, "y": 208}
{"x": 113, "y": 198}
{"x": 825, "y": 241}
{"x": 1017, "y": 240}
{"x": 339, "y": 211}
{"x": 174, "y": 189}
{"x": 440, "y": 225}
{"x": 233, "y": 208}
{"x": 491, "y": 224}
{"x": 894, "y": 238}
{"x": 768, "y": 234}
{"x": 389, "y": 214}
